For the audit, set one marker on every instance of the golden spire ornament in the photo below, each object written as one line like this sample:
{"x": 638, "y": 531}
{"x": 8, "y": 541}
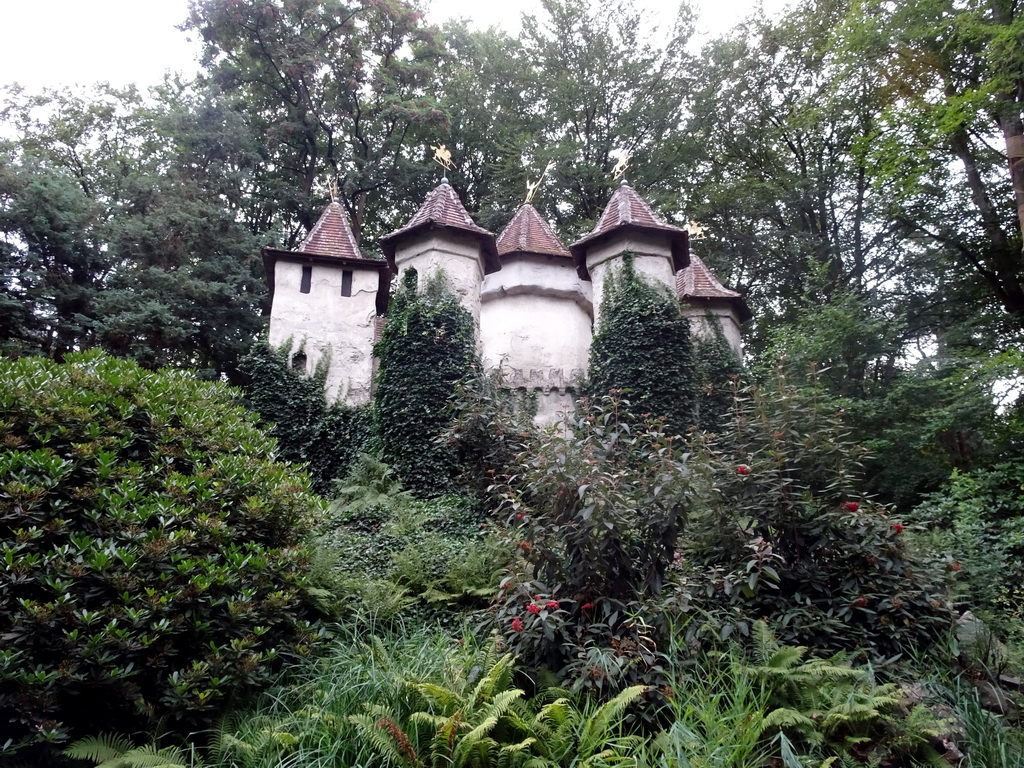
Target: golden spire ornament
{"x": 696, "y": 231}
{"x": 443, "y": 157}
{"x": 619, "y": 171}
{"x": 531, "y": 189}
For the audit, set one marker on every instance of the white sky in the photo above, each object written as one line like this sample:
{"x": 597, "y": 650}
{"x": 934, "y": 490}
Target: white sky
{"x": 65, "y": 42}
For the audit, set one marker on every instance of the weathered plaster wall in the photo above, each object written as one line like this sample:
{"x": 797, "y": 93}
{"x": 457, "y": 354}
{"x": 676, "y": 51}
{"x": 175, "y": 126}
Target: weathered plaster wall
{"x": 535, "y": 322}
{"x": 652, "y": 258}
{"x": 456, "y": 256}
{"x": 323, "y": 320}
{"x": 697, "y": 314}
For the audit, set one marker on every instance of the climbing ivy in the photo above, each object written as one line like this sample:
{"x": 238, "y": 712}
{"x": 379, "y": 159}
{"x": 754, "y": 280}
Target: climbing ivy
{"x": 426, "y": 349}
{"x": 718, "y": 375}
{"x": 308, "y": 430}
{"x": 642, "y": 344}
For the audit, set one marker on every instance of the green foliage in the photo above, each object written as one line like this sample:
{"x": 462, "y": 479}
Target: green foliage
{"x": 488, "y": 723}
{"x": 598, "y": 507}
{"x": 325, "y": 437}
{"x": 492, "y": 426}
{"x": 642, "y": 346}
{"x": 107, "y": 751}
{"x": 426, "y": 349}
{"x": 777, "y": 533}
{"x": 976, "y": 528}
{"x": 718, "y": 374}
{"x": 401, "y": 557}
{"x": 152, "y": 547}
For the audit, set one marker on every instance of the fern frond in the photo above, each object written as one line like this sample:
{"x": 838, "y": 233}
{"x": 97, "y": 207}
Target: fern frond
{"x": 99, "y": 748}
{"x": 444, "y": 699}
{"x": 597, "y": 728}
{"x": 497, "y": 679}
{"x": 784, "y": 717}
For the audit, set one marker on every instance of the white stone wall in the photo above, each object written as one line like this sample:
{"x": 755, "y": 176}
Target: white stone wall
{"x": 323, "y": 320}
{"x": 535, "y": 322}
{"x": 456, "y": 256}
{"x": 652, "y": 258}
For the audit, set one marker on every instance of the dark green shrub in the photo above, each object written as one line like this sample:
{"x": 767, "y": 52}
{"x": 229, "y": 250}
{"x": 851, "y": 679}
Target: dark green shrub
{"x": 152, "y": 550}
{"x": 426, "y": 349}
{"x": 327, "y": 438}
{"x": 642, "y": 346}
{"x": 976, "y": 528}
{"x": 782, "y": 533}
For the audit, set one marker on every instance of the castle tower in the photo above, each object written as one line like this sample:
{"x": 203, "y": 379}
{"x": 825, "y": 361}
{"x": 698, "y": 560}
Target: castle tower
{"x": 325, "y": 298}
{"x": 704, "y": 298}
{"x": 628, "y": 224}
{"x": 536, "y": 315}
{"x": 442, "y": 236}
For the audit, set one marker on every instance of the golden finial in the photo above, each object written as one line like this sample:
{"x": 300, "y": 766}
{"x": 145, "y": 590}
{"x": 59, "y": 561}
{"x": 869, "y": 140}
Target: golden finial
{"x": 623, "y": 163}
{"x": 697, "y": 231}
{"x": 443, "y": 157}
{"x": 531, "y": 189}
{"x": 334, "y": 188}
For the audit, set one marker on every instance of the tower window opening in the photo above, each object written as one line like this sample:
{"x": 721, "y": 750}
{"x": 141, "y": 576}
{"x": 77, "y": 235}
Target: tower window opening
{"x": 307, "y": 279}
{"x": 299, "y": 362}
{"x": 346, "y": 282}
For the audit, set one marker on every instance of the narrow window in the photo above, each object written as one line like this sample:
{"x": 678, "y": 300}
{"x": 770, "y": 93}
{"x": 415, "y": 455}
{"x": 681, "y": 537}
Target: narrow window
{"x": 346, "y": 282}
{"x": 299, "y": 361}
{"x": 307, "y": 279}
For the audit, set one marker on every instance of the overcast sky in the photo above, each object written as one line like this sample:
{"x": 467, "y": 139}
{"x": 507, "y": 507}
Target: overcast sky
{"x": 64, "y": 42}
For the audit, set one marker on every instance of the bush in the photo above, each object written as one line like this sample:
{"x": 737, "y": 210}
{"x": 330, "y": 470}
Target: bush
{"x": 152, "y": 550}
{"x": 781, "y": 532}
{"x": 599, "y": 507}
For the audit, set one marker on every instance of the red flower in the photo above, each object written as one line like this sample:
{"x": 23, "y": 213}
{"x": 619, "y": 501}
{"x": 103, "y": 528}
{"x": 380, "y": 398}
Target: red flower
{"x": 517, "y": 624}
{"x": 851, "y": 506}
{"x": 861, "y": 601}
{"x": 533, "y": 608}
{"x": 743, "y": 469}
{"x": 897, "y": 527}
{"x": 587, "y": 607}
{"x": 955, "y": 566}
{"x": 519, "y": 517}
{"x": 551, "y": 605}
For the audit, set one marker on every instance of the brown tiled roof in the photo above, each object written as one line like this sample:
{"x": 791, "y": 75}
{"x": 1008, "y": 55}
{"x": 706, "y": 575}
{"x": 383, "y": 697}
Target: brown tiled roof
{"x": 628, "y": 211}
{"x": 331, "y": 235}
{"x": 529, "y": 233}
{"x": 696, "y": 282}
{"x": 442, "y": 209}
{"x": 331, "y": 241}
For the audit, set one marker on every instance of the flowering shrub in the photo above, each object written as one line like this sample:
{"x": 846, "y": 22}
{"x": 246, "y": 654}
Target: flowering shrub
{"x": 599, "y": 507}
{"x": 778, "y": 541}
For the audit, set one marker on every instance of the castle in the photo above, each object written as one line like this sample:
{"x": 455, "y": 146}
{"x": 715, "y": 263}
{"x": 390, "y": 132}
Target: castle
{"x": 534, "y": 301}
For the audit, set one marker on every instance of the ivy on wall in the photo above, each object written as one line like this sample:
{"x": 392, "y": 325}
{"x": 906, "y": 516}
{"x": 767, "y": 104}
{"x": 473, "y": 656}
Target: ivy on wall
{"x": 718, "y": 374}
{"x": 308, "y": 430}
{"x": 426, "y": 349}
{"x": 642, "y": 344}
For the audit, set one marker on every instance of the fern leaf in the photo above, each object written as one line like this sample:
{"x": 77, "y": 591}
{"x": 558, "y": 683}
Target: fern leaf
{"x": 597, "y": 728}
{"x": 99, "y": 748}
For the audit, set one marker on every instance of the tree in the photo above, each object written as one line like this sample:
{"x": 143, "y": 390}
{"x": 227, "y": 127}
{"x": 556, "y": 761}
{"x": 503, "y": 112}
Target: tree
{"x": 329, "y": 88}
{"x": 952, "y": 75}
{"x": 120, "y": 227}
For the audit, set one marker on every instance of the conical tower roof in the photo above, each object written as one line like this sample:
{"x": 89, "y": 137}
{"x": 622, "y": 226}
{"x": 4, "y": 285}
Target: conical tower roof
{"x": 697, "y": 283}
{"x": 529, "y": 233}
{"x": 442, "y": 209}
{"x": 626, "y": 212}
{"x": 331, "y": 235}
